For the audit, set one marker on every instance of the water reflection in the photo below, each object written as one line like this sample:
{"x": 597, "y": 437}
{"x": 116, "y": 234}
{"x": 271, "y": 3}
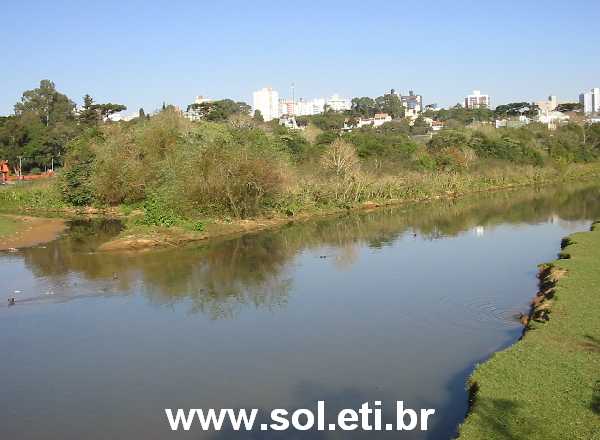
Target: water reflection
{"x": 393, "y": 304}
{"x": 220, "y": 278}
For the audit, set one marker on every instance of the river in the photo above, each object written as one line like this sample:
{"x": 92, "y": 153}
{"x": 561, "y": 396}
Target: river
{"x": 392, "y": 304}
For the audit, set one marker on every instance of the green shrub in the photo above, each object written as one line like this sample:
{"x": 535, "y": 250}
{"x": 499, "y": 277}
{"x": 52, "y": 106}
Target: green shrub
{"x": 158, "y": 213}
{"x": 389, "y": 146}
{"x": 131, "y": 159}
{"x": 512, "y": 146}
{"x": 227, "y": 175}
{"x": 449, "y": 139}
{"x": 76, "y": 175}
{"x": 40, "y": 195}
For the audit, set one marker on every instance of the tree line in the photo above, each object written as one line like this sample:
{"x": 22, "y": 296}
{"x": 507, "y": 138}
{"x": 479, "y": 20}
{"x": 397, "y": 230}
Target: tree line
{"x": 44, "y": 121}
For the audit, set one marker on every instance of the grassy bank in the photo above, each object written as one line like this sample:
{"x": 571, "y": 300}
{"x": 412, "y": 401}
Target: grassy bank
{"x": 417, "y": 187}
{"x": 42, "y": 195}
{"x": 547, "y": 386}
{"x": 9, "y": 226}
{"x": 385, "y": 191}
{"x": 150, "y": 224}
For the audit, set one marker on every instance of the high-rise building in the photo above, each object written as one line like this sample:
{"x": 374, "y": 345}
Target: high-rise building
{"x": 286, "y": 107}
{"x": 477, "y": 100}
{"x": 301, "y": 107}
{"x": 339, "y": 104}
{"x": 412, "y": 102}
{"x": 590, "y": 101}
{"x": 266, "y": 100}
{"x": 318, "y": 105}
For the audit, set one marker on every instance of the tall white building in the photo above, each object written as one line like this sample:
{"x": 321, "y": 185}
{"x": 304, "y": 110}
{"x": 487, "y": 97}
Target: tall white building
{"x": 287, "y": 107}
{"x": 477, "y": 100}
{"x": 266, "y": 100}
{"x": 590, "y": 101}
{"x": 301, "y": 107}
{"x": 339, "y": 104}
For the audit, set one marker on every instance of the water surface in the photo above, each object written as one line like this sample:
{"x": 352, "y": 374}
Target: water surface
{"x": 394, "y": 304}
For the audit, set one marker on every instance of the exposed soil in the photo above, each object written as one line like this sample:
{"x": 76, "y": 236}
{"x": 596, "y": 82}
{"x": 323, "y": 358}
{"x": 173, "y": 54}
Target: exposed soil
{"x": 32, "y": 231}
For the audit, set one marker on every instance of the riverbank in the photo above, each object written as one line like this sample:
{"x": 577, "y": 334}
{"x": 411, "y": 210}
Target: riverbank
{"x": 428, "y": 188}
{"x": 44, "y": 199}
{"x": 547, "y": 386}
{"x": 23, "y": 231}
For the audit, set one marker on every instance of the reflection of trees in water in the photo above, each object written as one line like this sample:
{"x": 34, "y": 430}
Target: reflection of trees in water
{"x": 522, "y": 205}
{"x": 74, "y": 251}
{"x": 222, "y": 277}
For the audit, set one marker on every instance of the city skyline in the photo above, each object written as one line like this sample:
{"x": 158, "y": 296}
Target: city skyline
{"x": 142, "y": 54}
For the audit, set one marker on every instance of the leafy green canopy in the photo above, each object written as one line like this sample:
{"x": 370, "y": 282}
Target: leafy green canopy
{"x": 44, "y": 121}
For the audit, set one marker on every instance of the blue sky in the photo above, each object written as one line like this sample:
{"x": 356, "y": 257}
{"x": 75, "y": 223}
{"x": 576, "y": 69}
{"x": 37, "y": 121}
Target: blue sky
{"x": 141, "y": 53}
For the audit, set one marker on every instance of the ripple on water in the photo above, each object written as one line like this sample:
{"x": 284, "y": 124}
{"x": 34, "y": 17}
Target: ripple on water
{"x": 479, "y": 313}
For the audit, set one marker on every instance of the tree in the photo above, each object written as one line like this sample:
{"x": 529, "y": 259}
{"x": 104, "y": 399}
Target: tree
{"x": 13, "y": 136}
{"x": 340, "y": 158}
{"x": 449, "y": 139}
{"x": 381, "y": 144}
{"x": 93, "y": 113}
{"x": 400, "y": 126}
{"x": 420, "y": 126}
{"x": 569, "y": 107}
{"x": 325, "y": 121}
{"x": 47, "y": 103}
{"x": 88, "y": 114}
{"x": 391, "y": 104}
{"x": 516, "y": 109}
{"x": 219, "y": 111}
{"x": 458, "y": 116}
{"x": 108, "y": 109}
{"x": 44, "y": 122}
{"x": 365, "y": 106}
{"x": 258, "y": 117}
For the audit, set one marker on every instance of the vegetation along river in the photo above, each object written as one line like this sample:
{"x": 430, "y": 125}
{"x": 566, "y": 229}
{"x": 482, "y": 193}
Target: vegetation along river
{"x": 393, "y": 304}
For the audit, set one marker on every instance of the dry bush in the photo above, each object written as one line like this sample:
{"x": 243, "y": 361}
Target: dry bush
{"x": 241, "y": 121}
{"x": 311, "y": 133}
{"x": 228, "y": 177}
{"x": 341, "y": 159}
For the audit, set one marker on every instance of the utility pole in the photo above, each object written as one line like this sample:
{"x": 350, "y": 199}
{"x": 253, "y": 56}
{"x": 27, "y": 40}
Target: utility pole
{"x": 293, "y": 100}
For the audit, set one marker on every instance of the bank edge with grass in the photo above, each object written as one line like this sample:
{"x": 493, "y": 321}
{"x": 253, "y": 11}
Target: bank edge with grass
{"x": 147, "y": 225}
{"x": 547, "y": 385}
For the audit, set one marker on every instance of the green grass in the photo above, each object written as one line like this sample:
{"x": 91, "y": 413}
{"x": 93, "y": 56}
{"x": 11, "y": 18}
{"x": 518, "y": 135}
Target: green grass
{"x": 8, "y": 226}
{"x": 547, "y": 386}
{"x": 42, "y": 195}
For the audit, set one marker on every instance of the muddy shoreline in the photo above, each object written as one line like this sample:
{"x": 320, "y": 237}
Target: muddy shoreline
{"x": 32, "y": 231}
